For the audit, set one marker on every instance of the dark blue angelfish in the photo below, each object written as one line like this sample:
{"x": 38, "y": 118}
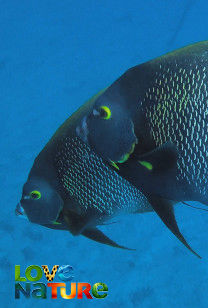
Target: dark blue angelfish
{"x": 71, "y": 188}
{"x": 152, "y": 125}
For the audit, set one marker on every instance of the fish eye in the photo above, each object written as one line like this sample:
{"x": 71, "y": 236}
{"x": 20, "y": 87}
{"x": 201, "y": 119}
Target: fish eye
{"x": 35, "y": 195}
{"x": 105, "y": 112}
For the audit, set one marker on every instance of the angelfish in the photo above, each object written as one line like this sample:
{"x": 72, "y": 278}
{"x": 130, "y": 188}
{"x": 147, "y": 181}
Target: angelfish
{"x": 70, "y": 187}
{"x": 151, "y": 126}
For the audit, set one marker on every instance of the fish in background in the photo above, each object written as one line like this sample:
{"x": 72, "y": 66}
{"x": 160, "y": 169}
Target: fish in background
{"x": 71, "y": 188}
{"x": 138, "y": 145}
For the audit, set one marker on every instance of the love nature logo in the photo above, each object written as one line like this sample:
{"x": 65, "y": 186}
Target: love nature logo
{"x": 31, "y": 286}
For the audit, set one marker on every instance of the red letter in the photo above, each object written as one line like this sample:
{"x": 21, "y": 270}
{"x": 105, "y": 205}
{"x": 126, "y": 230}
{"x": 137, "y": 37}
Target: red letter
{"x": 85, "y": 291}
{"x": 54, "y": 286}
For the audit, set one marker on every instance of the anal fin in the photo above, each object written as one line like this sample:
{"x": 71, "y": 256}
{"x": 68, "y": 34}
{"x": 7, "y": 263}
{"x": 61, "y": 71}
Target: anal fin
{"x": 78, "y": 224}
{"x": 165, "y": 211}
{"x": 98, "y": 236}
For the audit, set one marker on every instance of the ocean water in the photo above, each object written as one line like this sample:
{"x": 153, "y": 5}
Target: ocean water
{"x": 55, "y": 55}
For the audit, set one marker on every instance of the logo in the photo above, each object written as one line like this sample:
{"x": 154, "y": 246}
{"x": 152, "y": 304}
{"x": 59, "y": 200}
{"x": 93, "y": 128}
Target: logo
{"x": 30, "y": 285}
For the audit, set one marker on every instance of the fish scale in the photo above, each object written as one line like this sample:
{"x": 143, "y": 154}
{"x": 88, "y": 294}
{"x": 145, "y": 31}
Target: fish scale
{"x": 176, "y": 108}
{"x": 92, "y": 184}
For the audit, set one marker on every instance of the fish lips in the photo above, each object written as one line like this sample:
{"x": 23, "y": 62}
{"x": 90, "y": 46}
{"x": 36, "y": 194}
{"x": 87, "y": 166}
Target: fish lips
{"x": 19, "y": 211}
{"x": 82, "y": 130}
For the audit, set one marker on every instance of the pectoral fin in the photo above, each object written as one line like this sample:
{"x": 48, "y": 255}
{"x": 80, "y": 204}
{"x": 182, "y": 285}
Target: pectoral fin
{"x": 98, "y": 236}
{"x": 156, "y": 172}
{"x": 74, "y": 221}
{"x": 160, "y": 159}
{"x": 165, "y": 211}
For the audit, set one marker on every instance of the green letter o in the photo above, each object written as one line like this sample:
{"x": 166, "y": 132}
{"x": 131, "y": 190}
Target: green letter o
{"x": 28, "y": 273}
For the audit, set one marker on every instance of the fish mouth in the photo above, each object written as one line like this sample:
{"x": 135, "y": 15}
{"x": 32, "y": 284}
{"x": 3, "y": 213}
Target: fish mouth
{"x": 82, "y": 130}
{"x": 19, "y": 211}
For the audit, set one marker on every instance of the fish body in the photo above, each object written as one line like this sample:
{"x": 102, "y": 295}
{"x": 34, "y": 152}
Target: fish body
{"x": 174, "y": 109}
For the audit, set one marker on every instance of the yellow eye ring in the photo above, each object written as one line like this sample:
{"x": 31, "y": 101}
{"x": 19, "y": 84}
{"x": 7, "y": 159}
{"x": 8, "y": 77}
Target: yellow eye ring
{"x": 35, "y": 195}
{"x": 105, "y": 112}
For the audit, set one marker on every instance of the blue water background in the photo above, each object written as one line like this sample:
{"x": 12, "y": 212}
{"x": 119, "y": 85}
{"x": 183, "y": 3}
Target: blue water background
{"x": 54, "y": 55}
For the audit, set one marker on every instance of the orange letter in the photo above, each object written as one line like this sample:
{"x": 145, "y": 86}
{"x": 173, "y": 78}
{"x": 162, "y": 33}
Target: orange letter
{"x": 54, "y": 286}
{"x": 85, "y": 291}
{"x": 73, "y": 291}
